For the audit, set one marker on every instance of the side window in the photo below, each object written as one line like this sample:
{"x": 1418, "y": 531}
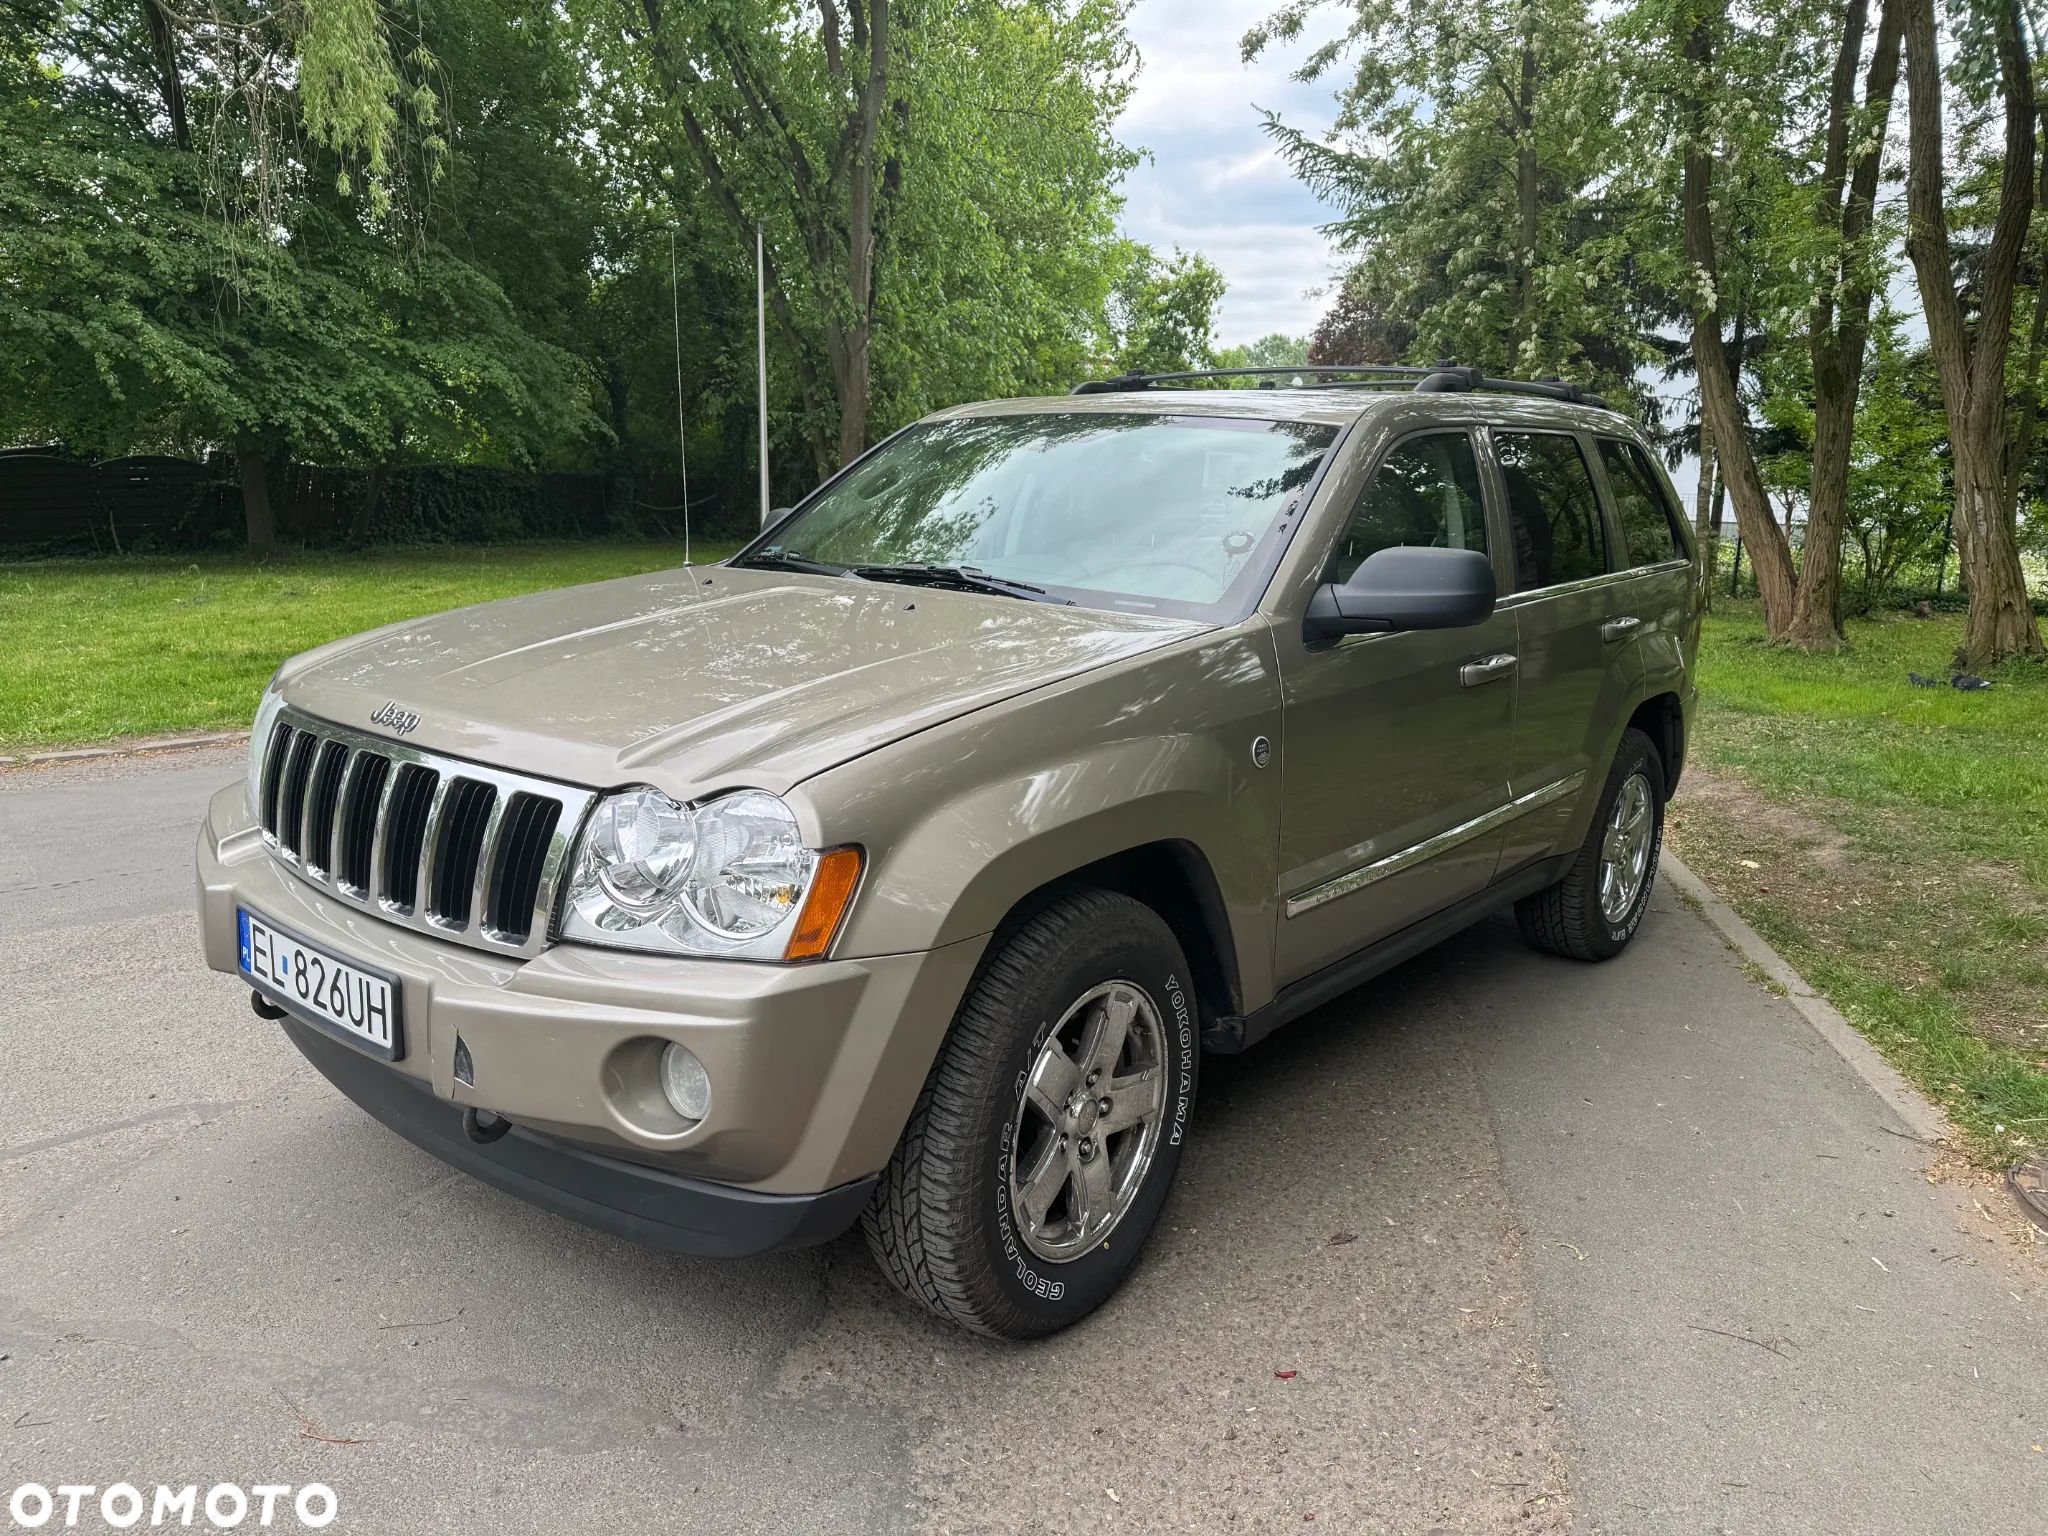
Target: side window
{"x": 1647, "y": 528}
{"x": 1425, "y": 491}
{"x": 1552, "y": 508}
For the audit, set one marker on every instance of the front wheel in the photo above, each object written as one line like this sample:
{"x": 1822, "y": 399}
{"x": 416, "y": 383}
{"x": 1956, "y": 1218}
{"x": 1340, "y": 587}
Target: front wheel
{"x": 1042, "y": 1148}
{"x": 1594, "y": 910}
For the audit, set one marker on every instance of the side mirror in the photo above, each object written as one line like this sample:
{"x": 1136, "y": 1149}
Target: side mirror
{"x": 775, "y": 515}
{"x": 1406, "y": 587}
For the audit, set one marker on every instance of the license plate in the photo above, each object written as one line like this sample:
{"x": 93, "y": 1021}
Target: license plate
{"x": 358, "y": 1004}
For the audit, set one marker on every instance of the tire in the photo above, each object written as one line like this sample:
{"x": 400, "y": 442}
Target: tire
{"x": 1569, "y": 918}
{"x": 944, "y": 1224}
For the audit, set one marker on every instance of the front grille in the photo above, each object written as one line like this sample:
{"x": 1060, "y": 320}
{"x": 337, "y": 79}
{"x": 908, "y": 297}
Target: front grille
{"x": 456, "y": 849}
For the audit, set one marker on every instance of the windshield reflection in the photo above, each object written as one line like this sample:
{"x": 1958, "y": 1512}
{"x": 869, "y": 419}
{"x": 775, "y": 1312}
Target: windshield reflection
{"x": 1156, "y": 513}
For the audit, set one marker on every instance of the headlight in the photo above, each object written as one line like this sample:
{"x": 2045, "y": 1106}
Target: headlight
{"x": 259, "y": 741}
{"x": 729, "y": 876}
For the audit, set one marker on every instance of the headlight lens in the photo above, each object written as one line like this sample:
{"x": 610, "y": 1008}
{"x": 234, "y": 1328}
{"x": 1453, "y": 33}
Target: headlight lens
{"x": 725, "y": 877}
{"x": 641, "y": 844}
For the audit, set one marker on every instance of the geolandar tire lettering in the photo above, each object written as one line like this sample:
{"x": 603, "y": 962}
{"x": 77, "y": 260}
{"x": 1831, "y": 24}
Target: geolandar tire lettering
{"x": 1595, "y": 909}
{"x": 1044, "y": 1144}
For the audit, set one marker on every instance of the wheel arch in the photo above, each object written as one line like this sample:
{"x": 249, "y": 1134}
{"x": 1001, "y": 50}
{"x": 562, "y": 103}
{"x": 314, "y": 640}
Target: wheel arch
{"x": 1661, "y": 717}
{"x": 1174, "y": 878}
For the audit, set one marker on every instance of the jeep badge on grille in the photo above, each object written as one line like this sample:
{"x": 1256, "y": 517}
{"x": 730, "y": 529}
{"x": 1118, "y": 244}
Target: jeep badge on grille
{"x": 403, "y": 721}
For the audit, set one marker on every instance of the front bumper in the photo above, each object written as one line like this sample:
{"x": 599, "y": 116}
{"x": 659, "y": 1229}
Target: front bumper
{"x": 814, "y": 1068}
{"x": 643, "y": 1205}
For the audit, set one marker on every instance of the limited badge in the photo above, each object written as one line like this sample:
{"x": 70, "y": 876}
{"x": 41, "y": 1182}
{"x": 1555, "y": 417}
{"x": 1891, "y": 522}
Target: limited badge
{"x": 1262, "y": 751}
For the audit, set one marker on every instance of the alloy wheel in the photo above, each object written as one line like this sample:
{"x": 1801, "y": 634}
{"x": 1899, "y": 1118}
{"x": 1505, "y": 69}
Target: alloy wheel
{"x": 1088, "y": 1128}
{"x": 1625, "y": 850}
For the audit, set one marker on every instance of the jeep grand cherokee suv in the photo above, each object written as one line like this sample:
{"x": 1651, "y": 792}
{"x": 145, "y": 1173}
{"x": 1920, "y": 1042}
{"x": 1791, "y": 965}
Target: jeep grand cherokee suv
{"x": 900, "y": 869}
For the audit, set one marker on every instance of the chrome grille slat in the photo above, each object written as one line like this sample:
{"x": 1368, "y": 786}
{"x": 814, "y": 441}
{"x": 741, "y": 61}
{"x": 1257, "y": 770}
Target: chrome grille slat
{"x": 291, "y": 794}
{"x": 362, "y": 801}
{"x": 458, "y": 851}
{"x": 403, "y": 875}
{"x": 486, "y": 859}
{"x": 323, "y": 795}
{"x": 384, "y": 827}
{"x": 519, "y": 876}
{"x": 273, "y": 771}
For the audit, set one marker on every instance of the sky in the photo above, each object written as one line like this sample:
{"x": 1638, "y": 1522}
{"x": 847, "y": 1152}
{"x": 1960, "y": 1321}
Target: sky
{"x": 1213, "y": 182}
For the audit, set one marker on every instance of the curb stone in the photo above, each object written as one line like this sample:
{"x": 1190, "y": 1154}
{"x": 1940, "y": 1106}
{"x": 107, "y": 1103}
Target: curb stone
{"x": 137, "y": 748}
{"x": 1924, "y": 1120}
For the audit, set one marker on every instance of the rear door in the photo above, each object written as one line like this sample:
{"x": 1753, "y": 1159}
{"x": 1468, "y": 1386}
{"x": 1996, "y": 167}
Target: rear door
{"x": 1654, "y": 547}
{"x": 1395, "y": 743}
{"x": 1578, "y": 667}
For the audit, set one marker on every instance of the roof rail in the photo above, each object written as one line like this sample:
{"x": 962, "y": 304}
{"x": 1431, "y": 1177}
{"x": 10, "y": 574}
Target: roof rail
{"x": 1443, "y": 377}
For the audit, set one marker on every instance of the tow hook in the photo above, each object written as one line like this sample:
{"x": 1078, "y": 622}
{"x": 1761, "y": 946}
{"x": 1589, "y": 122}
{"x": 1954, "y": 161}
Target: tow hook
{"x": 483, "y": 1126}
{"x": 265, "y": 1008}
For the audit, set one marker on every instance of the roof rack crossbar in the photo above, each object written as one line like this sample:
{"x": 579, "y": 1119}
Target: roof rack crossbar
{"x": 1130, "y": 381}
{"x": 1443, "y": 377}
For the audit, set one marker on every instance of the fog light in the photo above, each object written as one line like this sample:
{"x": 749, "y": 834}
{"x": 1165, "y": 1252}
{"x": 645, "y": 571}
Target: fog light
{"x": 686, "y": 1083}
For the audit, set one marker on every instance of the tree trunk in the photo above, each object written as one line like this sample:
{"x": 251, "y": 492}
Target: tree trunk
{"x": 257, "y": 515}
{"x": 365, "y": 517}
{"x": 1836, "y": 339}
{"x": 1970, "y": 358}
{"x": 2001, "y": 621}
{"x": 1526, "y": 186}
{"x": 1703, "y": 493}
{"x": 1769, "y": 555}
{"x": 851, "y": 365}
{"x": 170, "y": 82}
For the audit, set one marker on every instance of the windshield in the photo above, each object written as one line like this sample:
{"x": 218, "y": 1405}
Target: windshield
{"x": 1160, "y": 514}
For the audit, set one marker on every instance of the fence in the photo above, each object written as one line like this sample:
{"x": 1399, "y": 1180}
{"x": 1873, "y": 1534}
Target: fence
{"x": 51, "y": 503}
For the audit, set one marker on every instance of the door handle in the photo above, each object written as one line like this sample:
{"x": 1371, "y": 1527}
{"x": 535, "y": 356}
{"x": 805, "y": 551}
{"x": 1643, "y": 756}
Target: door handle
{"x": 1486, "y": 669}
{"x": 1620, "y": 629}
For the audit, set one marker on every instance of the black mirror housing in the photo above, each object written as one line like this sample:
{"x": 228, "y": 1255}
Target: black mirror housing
{"x": 1405, "y": 587}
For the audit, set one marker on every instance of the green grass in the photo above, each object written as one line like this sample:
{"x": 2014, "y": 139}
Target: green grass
{"x": 96, "y": 649}
{"x": 1892, "y": 841}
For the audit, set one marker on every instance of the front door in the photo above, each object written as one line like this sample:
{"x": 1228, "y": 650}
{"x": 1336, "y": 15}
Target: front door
{"x": 1394, "y": 743}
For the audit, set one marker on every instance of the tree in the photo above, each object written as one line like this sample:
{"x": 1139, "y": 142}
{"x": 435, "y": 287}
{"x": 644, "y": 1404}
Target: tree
{"x": 1849, "y": 262}
{"x": 1715, "y": 129}
{"x": 158, "y": 297}
{"x": 1971, "y": 359}
{"x": 1354, "y": 331}
{"x": 1162, "y": 314}
{"x": 1469, "y": 156}
{"x": 904, "y": 161}
{"x": 1275, "y": 350}
{"x": 1899, "y": 496}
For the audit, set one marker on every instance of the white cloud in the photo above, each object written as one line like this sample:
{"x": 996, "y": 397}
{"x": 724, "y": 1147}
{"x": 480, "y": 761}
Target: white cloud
{"x": 1215, "y": 182}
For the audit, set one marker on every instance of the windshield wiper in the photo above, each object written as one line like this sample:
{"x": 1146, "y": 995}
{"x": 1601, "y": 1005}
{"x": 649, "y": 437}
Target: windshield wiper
{"x": 960, "y": 578}
{"x": 789, "y": 560}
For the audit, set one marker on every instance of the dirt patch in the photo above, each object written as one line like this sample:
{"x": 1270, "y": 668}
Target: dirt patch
{"x": 1728, "y": 799}
{"x": 1971, "y": 931}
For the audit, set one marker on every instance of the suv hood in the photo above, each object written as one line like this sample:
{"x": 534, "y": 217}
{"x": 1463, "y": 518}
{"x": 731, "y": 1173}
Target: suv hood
{"x": 702, "y": 680}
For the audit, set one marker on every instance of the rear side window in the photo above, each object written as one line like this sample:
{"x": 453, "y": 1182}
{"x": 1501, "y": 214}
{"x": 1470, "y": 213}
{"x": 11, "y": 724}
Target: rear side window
{"x": 1649, "y": 530}
{"x": 1426, "y": 491}
{"x": 1552, "y": 508}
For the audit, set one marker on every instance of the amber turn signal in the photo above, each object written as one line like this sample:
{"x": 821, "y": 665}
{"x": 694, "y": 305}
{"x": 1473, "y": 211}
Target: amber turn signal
{"x": 832, "y": 884}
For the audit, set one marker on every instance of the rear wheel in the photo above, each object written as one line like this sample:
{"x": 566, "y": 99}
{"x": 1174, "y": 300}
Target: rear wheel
{"x": 1594, "y": 911}
{"x": 1042, "y": 1148}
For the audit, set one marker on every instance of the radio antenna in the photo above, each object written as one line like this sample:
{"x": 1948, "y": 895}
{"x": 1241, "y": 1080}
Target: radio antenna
{"x": 682, "y": 438}
{"x": 761, "y": 358}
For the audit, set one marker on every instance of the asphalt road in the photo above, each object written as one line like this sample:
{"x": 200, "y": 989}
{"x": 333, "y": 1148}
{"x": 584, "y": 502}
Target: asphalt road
{"x": 1624, "y": 1248}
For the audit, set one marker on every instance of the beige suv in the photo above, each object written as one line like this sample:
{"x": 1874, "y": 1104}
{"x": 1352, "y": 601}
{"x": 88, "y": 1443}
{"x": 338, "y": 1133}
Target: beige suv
{"x": 900, "y": 869}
